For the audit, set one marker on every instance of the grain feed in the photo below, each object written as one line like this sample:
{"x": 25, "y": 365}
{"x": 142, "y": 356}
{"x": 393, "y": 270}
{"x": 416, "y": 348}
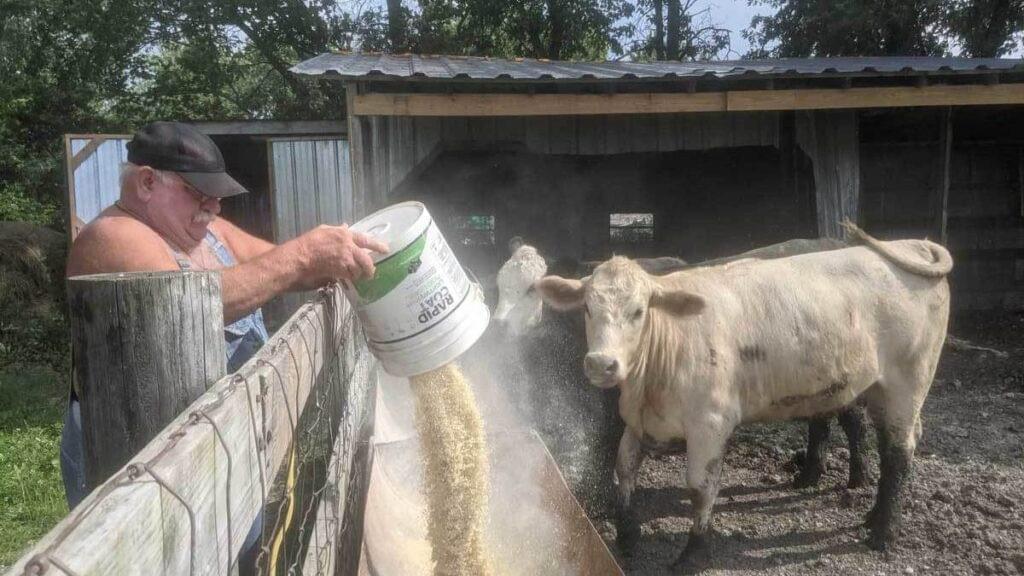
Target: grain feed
{"x": 455, "y": 471}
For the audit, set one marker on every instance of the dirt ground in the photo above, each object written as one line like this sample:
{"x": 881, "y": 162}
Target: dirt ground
{"x": 964, "y": 515}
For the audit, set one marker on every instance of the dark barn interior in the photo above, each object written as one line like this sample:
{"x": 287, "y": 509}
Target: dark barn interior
{"x": 902, "y": 168}
{"x": 246, "y": 158}
{"x": 704, "y": 204}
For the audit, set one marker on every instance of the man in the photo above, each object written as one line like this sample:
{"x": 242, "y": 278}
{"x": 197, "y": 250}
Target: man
{"x": 167, "y": 219}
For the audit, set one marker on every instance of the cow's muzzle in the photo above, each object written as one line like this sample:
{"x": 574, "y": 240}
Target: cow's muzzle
{"x": 601, "y": 369}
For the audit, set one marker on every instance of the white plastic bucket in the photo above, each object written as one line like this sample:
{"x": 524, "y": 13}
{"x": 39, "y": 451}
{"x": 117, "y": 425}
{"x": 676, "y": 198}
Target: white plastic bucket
{"x": 419, "y": 311}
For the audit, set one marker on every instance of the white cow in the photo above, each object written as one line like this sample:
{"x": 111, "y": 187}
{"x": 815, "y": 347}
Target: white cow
{"x": 699, "y": 352}
{"x": 519, "y": 306}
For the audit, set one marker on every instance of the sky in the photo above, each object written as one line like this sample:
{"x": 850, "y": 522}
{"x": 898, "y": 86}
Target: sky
{"x": 734, "y": 15}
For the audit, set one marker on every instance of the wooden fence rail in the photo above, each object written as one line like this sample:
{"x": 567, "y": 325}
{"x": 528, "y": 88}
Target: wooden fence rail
{"x": 185, "y": 503}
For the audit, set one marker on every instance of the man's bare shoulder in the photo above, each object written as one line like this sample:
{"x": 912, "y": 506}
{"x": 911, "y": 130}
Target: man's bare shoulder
{"x": 115, "y": 242}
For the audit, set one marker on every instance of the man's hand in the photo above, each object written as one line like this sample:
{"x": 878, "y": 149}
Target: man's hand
{"x": 333, "y": 253}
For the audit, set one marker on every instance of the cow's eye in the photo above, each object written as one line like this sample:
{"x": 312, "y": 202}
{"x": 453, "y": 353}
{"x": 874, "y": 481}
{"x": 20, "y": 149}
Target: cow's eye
{"x": 636, "y": 315}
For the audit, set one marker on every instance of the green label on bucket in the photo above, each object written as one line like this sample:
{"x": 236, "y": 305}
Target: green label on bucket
{"x": 392, "y": 271}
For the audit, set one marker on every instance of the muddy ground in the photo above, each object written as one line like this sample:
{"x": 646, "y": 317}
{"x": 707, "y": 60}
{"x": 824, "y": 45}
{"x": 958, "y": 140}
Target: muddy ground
{"x": 965, "y": 513}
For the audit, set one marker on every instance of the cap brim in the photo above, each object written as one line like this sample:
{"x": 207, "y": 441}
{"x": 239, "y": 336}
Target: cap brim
{"x": 215, "y": 184}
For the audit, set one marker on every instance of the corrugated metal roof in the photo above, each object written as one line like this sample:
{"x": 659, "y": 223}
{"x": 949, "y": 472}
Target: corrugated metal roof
{"x": 412, "y": 66}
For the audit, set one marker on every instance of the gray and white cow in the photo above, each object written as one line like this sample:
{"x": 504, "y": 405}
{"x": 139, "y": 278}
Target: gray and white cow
{"x": 699, "y": 352}
{"x": 549, "y": 335}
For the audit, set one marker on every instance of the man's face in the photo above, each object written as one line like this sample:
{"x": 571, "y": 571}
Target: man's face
{"x": 177, "y": 209}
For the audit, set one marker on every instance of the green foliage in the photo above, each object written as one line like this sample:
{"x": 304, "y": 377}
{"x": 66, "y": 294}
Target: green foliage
{"x": 31, "y": 492}
{"x": 555, "y": 29}
{"x": 676, "y": 30}
{"x": 17, "y": 206}
{"x": 847, "y": 28}
{"x": 886, "y": 28}
{"x": 986, "y": 28}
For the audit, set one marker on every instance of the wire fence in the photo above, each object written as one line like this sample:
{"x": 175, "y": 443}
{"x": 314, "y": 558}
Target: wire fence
{"x": 264, "y": 474}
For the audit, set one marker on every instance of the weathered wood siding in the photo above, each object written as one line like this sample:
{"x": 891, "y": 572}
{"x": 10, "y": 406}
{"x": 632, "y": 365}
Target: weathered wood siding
{"x": 705, "y": 204}
{"x": 830, "y": 140}
{"x": 393, "y": 148}
{"x": 902, "y": 178}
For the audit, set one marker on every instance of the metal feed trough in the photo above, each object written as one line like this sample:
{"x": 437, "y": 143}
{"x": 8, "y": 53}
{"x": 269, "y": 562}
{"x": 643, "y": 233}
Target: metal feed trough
{"x": 536, "y": 526}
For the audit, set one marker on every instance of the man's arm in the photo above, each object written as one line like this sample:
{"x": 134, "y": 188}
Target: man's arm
{"x": 322, "y": 255}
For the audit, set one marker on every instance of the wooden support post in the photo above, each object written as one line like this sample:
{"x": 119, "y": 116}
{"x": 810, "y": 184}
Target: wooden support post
{"x": 830, "y": 138}
{"x": 942, "y": 188}
{"x": 145, "y": 345}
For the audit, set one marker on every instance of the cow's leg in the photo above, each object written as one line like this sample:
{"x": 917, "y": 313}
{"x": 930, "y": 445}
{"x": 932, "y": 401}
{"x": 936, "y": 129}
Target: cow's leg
{"x": 705, "y": 454}
{"x": 853, "y": 422}
{"x": 818, "y": 430}
{"x": 627, "y": 464}
{"x": 895, "y": 406}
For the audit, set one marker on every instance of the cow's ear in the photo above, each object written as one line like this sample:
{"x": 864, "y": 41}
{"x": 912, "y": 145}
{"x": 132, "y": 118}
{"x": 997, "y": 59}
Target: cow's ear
{"x": 560, "y": 293}
{"x": 676, "y": 301}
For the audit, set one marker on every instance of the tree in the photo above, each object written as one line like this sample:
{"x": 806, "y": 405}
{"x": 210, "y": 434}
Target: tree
{"x": 885, "y": 27}
{"x": 62, "y": 63}
{"x": 847, "y": 28}
{"x": 676, "y": 30}
{"x": 986, "y": 28}
{"x": 554, "y": 29}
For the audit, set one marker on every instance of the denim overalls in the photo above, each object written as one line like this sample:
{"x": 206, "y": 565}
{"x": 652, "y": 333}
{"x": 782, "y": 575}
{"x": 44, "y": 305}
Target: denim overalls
{"x": 243, "y": 338}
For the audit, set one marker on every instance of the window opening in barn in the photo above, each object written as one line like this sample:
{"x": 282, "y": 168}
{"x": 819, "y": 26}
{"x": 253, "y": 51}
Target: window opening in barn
{"x": 633, "y": 228}
{"x": 474, "y": 229}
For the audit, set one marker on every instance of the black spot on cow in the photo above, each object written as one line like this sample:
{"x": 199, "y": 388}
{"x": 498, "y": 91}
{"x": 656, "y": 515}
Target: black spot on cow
{"x": 834, "y": 388}
{"x": 753, "y": 354}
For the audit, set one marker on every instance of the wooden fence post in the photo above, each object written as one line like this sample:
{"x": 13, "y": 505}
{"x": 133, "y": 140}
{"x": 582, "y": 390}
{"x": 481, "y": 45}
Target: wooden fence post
{"x": 145, "y": 345}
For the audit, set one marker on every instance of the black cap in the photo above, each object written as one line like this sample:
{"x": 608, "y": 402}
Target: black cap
{"x": 182, "y": 149}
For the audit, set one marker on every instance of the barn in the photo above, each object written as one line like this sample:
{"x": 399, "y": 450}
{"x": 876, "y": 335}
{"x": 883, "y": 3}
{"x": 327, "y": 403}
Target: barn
{"x": 696, "y": 159}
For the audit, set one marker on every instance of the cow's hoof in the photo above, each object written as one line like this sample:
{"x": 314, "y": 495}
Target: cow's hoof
{"x": 881, "y": 540}
{"x": 695, "y": 557}
{"x": 807, "y": 478}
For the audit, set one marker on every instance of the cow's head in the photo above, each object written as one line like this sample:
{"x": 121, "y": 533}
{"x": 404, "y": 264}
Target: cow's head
{"x": 519, "y": 306}
{"x": 617, "y": 301}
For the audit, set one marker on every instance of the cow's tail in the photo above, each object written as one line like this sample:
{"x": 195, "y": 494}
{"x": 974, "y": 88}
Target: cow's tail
{"x": 940, "y": 265}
